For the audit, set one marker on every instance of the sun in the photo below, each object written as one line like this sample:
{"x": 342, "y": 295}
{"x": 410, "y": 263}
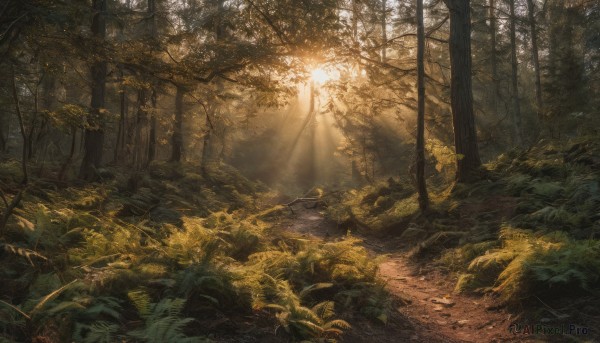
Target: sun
{"x": 322, "y": 75}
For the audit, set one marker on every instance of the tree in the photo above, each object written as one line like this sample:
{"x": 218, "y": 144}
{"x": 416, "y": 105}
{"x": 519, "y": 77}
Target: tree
{"x": 94, "y": 132}
{"x": 384, "y": 37}
{"x": 535, "y": 57}
{"x": 463, "y": 119}
{"x": 177, "y": 137}
{"x": 420, "y": 163}
{"x": 493, "y": 56}
{"x": 517, "y": 122}
{"x": 565, "y": 81}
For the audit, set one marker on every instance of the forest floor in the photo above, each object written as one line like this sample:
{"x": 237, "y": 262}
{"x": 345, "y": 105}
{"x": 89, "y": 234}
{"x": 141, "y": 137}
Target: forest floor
{"x": 425, "y": 307}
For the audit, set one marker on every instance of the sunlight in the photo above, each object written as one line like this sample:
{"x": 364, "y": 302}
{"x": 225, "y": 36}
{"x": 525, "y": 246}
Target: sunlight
{"x": 322, "y": 75}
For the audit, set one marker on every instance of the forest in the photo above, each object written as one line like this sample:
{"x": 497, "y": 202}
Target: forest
{"x": 299, "y": 171}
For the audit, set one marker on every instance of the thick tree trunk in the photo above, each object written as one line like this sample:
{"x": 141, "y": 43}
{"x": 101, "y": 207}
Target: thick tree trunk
{"x": 536, "y": 59}
{"x": 177, "y": 138}
{"x": 94, "y": 135}
{"x": 463, "y": 119}
{"x": 421, "y": 185}
{"x": 209, "y": 136}
{"x": 517, "y": 122}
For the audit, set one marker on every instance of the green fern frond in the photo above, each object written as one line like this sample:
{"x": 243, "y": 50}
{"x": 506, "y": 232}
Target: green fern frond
{"x": 19, "y": 251}
{"x": 163, "y": 322}
{"x": 337, "y": 323}
{"x": 97, "y": 332}
{"x": 307, "y": 328}
{"x": 141, "y": 301}
{"x": 324, "y": 310}
{"x": 46, "y": 299}
{"x": 314, "y": 287}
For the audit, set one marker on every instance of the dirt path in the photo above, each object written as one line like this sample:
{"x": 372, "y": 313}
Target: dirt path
{"x": 426, "y": 308}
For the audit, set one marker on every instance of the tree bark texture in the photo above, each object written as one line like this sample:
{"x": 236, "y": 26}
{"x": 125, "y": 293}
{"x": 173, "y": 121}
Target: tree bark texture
{"x": 493, "y": 57}
{"x": 536, "y": 59}
{"x": 421, "y": 184}
{"x": 177, "y": 138}
{"x": 383, "y": 31}
{"x": 517, "y": 122}
{"x": 152, "y": 133}
{"x": 463, "y": 119}
{"x": 21, "y": 128}
{"x": 94, "y": 133}
{"x": 141, "y": 140}
{"x": 120, "y": 144}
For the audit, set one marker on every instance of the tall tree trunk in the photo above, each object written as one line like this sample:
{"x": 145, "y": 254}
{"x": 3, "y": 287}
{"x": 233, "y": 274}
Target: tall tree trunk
{"x": 177, "y": 138}
{"x": 2, "y": 139}
{"x": 312, "y": 148}
{"x": 493, "y": 57}
{"x": 463, "y": 119}
{"x": 207, "y": 143}
{"x": 140, "y": 149}
{"x": 517, "y": 124}
{"x": 383, "y": 31}
{"x": 152, "y": 134}
{"x": 94, "y": 134}
{"x": 33, "y": 122}
{"x": 355, "y": 23}
{"x": 21, "y": 128}
{"x": 421, "y": 185}
{"x": 209, "y": 139}
{"x": 219, "y": 27}
{"x": 536, "y": 59}
{"x": 48, "y": 100}
{"x": 65, "y": 167}
{"x": 4, "y": 130}
{"x": 153, "y": 36}
{"x": 120, "y": 144}
{"x": 356, "y": 177}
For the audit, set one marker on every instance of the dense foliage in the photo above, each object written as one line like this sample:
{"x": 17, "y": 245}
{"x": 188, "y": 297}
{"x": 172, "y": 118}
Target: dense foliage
{"x": 147, "y": 148}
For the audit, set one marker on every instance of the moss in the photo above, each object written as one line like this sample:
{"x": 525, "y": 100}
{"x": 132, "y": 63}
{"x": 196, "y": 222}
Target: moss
{"x": 10, "y": 171}
{"x": 468, "y": 283}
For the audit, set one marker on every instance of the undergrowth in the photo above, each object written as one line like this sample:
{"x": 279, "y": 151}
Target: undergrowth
{"x": 177, "y": 257}
{"x": 528, "y": 230}
{"x": 548, "y": 247}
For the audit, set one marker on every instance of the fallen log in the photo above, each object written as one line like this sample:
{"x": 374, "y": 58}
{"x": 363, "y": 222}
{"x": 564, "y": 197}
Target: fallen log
{"x": 301, "y": 200}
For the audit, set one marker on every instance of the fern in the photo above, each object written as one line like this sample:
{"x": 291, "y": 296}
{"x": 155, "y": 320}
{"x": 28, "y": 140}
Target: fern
{"x": 303, "y": 322}
{"x": 162, "y": 320}
{"x": 544, "y": 262}
{"x": 97, "y": 332}
{"x": 27, "y": 253}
